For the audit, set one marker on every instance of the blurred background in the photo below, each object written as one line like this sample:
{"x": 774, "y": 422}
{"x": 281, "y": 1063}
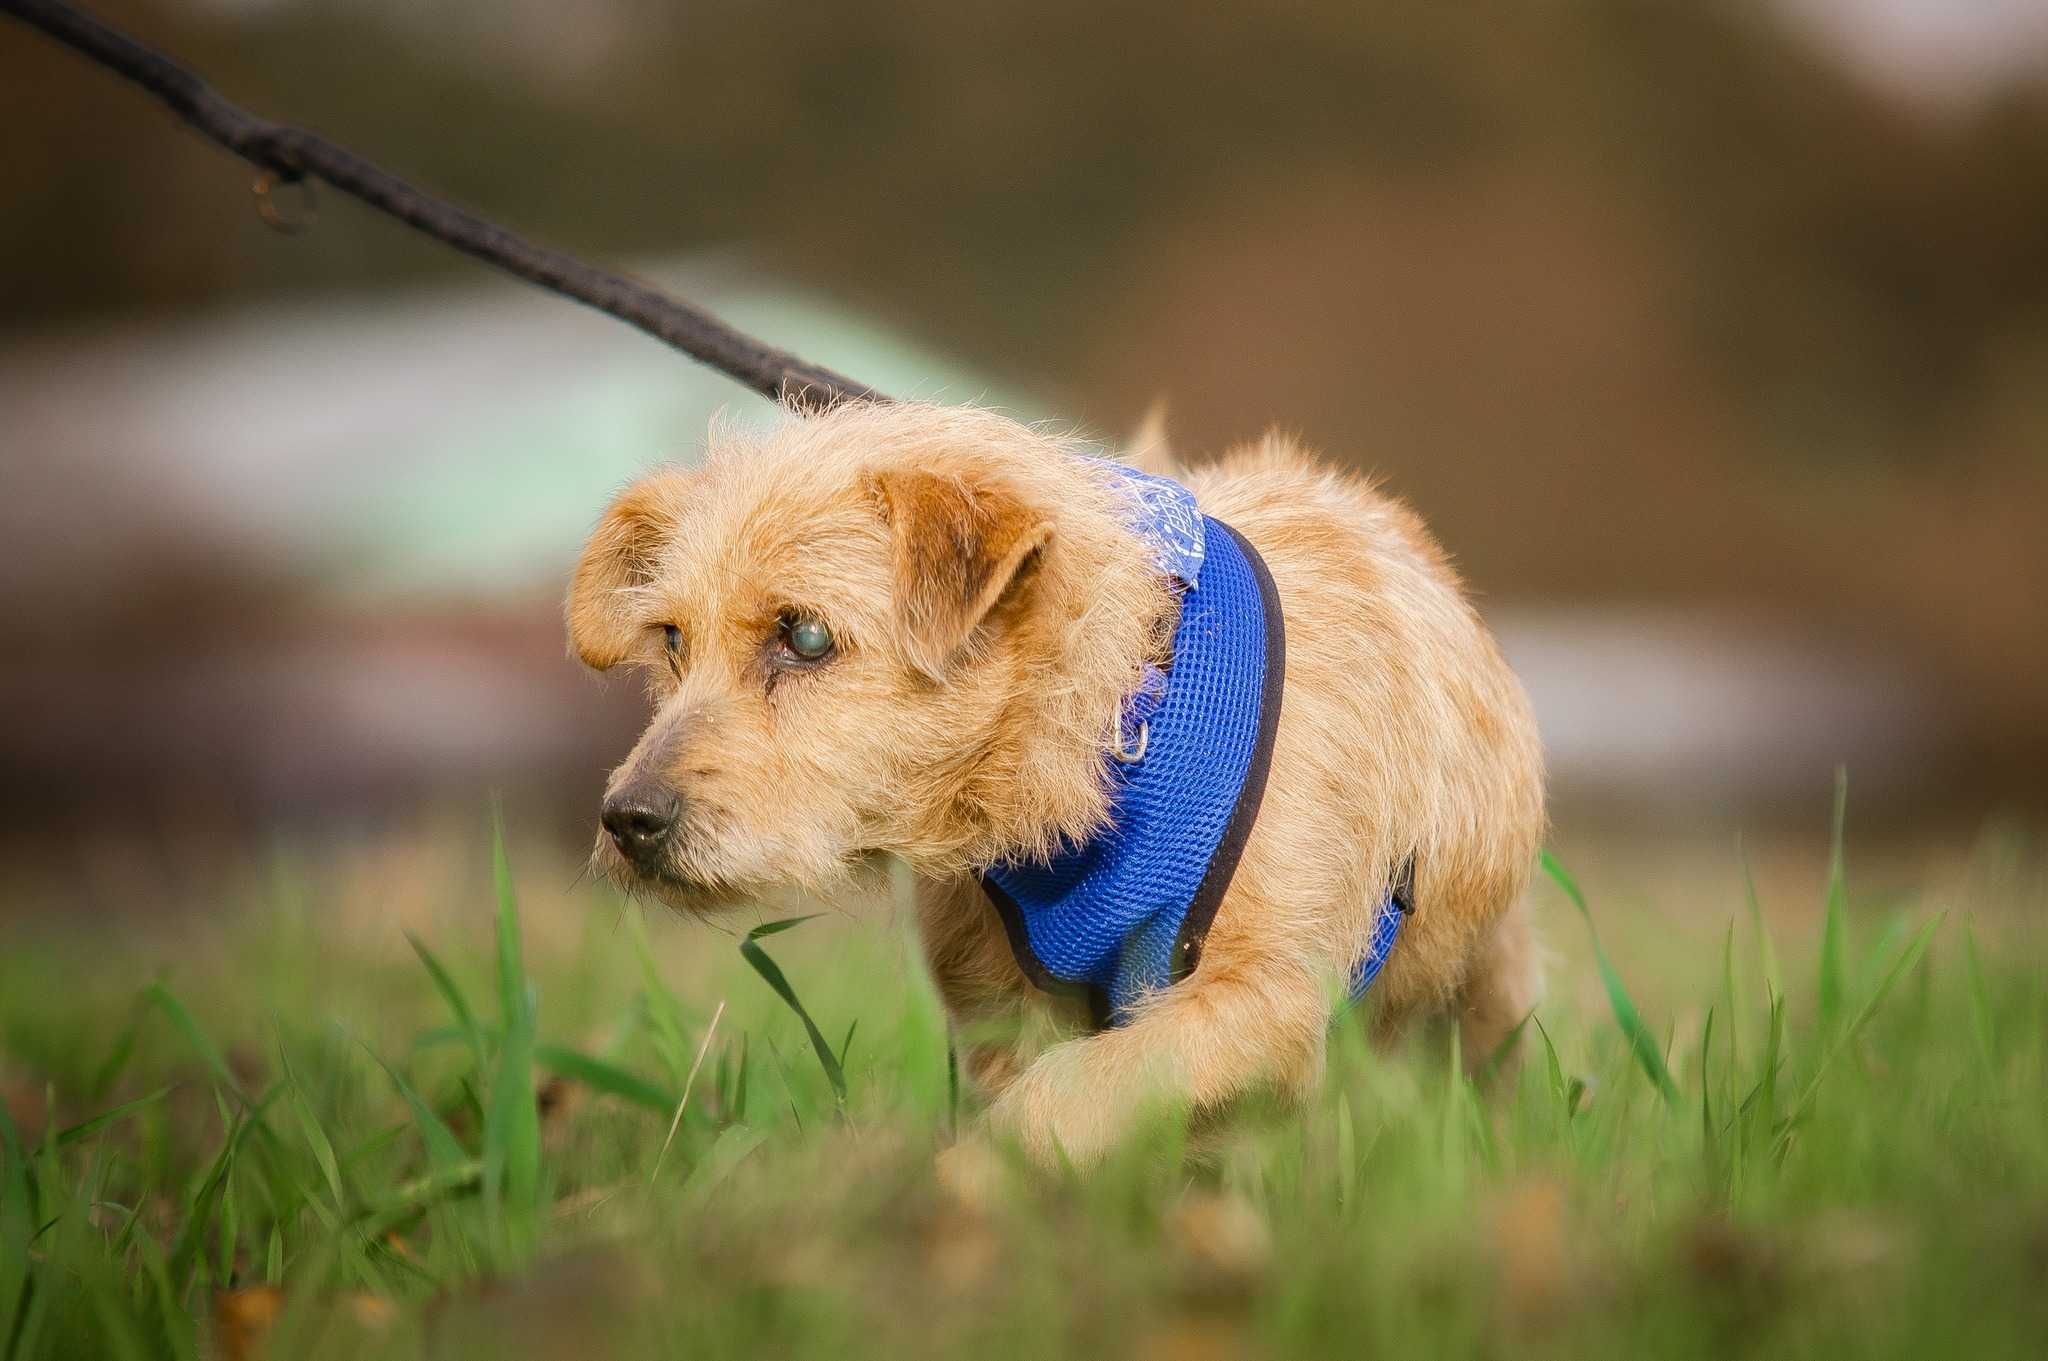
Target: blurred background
{"x": 1711, "y": 338}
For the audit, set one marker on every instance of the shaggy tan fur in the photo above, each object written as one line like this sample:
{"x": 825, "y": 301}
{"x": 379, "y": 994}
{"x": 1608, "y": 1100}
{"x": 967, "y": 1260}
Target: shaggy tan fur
{"x": 992, "y": 611}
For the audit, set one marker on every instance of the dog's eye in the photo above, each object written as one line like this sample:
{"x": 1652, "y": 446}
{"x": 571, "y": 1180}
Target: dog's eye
{"x": 807, "y": 637}
{"x": 672, "y": 643}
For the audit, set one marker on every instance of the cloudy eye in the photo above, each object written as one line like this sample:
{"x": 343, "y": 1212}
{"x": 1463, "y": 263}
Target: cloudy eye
{"x": 807, "y": 637}
{"x": 672, "y": 643}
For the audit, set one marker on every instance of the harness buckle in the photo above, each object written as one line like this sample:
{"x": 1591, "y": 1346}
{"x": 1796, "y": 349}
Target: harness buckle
{"x": 1125, "y": 754}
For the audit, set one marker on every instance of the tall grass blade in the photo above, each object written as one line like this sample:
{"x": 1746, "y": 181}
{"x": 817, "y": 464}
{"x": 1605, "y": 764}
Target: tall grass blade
{"x": 1502, "y": 1052}
{"x": 209, "y": 1053}
{"x": 17, "y": 1209}
{"x": 198, "y": 1209}
{"x": 1834, "y": 942}
{"x": 1707, "y": 1087}
{"x": 87, "y": 1128}
{"x": 600, "y": 1076}
{"x": 727, "y": 1152}
{"x": 512, "y": 1119}
{"x": 1649, "y": 1054}
{"x": 315, "y": 1133}
{"x": 1553, "y": 1070}
{"x": 1731, "y": 1003}
{"x": 511, "y": 959}
{"x": 1760, "y": 1107}
{"x": 771, "y": 972}
{"x": 417, "y": 1196}
{"x": 1906, "y": 960}
{"x": 664, "y": 1008}
{"x": 1766, "y": 952}
{"x": 451, "y": 993}
{"x": 443, "y": 1148}
{"x": 116, "y": 1061}
{"x": 1981, "y": 1014}
{"x": 1882, "y": 950}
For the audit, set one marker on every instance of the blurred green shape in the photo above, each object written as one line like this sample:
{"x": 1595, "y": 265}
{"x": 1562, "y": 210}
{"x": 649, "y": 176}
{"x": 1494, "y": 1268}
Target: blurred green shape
{"x": 495, "y": 503}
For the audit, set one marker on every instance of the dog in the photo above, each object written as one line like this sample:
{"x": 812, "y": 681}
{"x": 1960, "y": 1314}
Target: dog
{"x": 917, "y": 632}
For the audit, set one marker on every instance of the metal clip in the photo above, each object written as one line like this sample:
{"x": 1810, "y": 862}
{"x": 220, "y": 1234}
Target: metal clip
{"x": 274, "y": 216}
{"x": 1126, "y": 754}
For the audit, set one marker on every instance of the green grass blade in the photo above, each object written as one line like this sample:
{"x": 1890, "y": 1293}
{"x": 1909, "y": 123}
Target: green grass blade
{"x": 416, "y": 1197}
{"x": 1766, "y": 952}
{"x": 1707, "y": 1140}
{"x": 751, "y": 950}
{"x": 727, "y": 1152}
{"x": 17, "y": 1210}
{"x": 1981, "y": 1014}
{"x": 86, "y": 1128}
{"x": 1490, "y": 1068}
{"x": 600, "y": 1076}
{"x": 116, "y": 1061}
{"x": 1834, "y": 939}
{"x": 1883, "y": 950}
{"x": 1906, "y": 960}
{"x": 443, "y": 1148}
{"x": 1731, "y": 1003}
{"x": 198, "y": 1210}
{"x": 736, "y": 1105}
{"x": 314, "y": 1133}
{"x": 230, "y": 1231}
{"x": 512, "y": 1119}
{"x": 1649, "y": 1054}
{"x": 512, "y": 1129}
{"x": 511, "y": 956}
{"x": 209, "y": 1053}
{"x": 444, "y": 983}
{"x": 1765, "y": 1097}
{"x": 1553, "y": 1069}
{"x": 664, "y": 1009}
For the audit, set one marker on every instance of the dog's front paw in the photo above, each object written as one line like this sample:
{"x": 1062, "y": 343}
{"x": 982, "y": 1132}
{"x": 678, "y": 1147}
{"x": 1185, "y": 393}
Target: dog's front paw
{"x": 1055, "y": 1115}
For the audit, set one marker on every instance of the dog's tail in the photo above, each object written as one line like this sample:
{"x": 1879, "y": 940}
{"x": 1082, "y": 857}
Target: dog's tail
{"x": 1148, "y": 449}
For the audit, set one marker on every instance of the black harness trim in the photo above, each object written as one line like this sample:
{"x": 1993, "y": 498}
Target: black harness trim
{"x": 1194, "y": 927}
{"x": 1223, "y": 862}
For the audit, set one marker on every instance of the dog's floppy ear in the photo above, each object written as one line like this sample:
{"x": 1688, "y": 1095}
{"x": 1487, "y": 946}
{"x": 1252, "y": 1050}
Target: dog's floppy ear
{"x": 603, "y": 628}
{"x": 958, "y": 547}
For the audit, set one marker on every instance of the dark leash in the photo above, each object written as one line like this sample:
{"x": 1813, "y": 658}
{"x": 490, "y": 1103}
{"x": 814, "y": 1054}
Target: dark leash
{"x": 286, "y": 155}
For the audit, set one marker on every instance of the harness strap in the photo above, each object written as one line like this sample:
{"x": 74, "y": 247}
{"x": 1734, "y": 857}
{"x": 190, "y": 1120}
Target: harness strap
{"x": 1128, "y": 912}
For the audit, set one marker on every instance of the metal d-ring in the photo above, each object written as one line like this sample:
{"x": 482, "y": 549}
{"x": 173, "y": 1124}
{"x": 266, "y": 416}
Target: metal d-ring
{"x": 1128, "y": 755}
{"x": 269, "y": 209}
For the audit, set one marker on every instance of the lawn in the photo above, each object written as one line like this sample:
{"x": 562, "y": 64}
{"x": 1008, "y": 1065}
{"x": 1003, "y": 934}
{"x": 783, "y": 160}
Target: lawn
{"x": 543, "y": 1124}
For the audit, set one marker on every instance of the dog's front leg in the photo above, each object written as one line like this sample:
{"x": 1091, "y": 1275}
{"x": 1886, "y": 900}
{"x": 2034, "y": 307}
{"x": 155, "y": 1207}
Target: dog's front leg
{"x": 1231, "y": 1028}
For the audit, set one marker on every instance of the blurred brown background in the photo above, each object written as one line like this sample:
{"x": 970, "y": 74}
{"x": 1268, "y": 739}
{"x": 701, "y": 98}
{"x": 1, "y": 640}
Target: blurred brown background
{"x": 1711, "y": 338}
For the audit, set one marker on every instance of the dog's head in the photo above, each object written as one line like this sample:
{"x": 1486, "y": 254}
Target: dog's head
{"x": 864, "y": 632}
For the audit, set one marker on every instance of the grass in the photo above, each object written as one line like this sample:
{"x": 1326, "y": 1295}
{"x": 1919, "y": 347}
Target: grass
{"x": 510, "y": 1144}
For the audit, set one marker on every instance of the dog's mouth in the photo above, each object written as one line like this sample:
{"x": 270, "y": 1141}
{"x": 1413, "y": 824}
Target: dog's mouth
{"x": 671, "y": 879}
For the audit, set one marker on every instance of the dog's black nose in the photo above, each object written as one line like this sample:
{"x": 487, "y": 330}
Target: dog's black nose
{"x": 640, "y": 821}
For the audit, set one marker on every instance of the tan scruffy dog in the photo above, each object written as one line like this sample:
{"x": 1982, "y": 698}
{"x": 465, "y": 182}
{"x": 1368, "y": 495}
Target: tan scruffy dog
{"x": 912, "y": 631}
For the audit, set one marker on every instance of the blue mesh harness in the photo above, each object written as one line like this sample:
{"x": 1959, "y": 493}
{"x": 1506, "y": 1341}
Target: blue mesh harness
{"x": 1127, "y": 912}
